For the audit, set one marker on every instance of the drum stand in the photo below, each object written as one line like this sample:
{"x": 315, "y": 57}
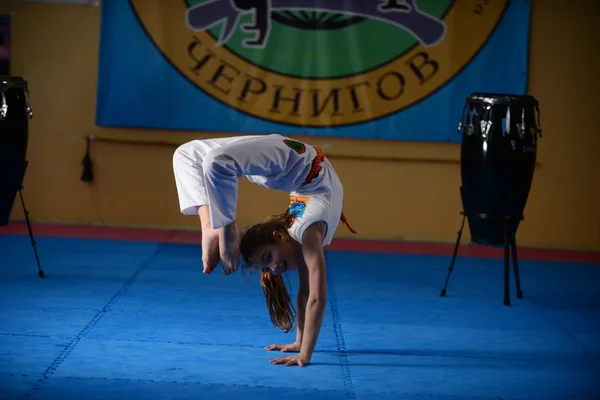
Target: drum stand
{"x": 33, "y": 244}
{"x": 509, "y": 242}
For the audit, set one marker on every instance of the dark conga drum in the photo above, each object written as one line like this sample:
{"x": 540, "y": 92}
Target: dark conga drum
{"x": 14, "y": 124}
{"x": 498, "y": 159}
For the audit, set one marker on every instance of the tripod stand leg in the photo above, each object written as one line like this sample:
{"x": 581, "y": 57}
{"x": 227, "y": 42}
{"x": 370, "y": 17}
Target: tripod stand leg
{"x": 462, "y": 225}
{"x": 506, "y": 263}
{"x": 40, "y": 270}
{"x": 516, "y": 268}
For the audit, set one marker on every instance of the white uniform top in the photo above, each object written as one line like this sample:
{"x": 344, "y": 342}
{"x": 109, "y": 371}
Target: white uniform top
{"x": 207, "y": 173}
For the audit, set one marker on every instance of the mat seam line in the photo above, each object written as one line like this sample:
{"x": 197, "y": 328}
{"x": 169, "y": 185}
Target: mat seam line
{"x": 572, "y": 336}
{"x": 584, "y": 347}
{"x": 68, "y": 349}
{"x": 339, "y": 334}
{"x": 195, "y": 383}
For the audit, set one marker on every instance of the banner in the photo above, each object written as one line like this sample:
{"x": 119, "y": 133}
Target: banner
{"x": 365, "y": 69}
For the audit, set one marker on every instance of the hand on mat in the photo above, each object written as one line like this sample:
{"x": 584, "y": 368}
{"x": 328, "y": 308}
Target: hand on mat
{"x": 210, "y": 249}
{"x": 229, "y": 246}
{"x": 292, "y": 360}
{"x": 286, "y": 348}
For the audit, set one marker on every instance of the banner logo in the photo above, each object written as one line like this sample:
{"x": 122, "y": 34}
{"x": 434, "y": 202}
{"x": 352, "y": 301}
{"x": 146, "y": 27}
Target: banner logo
{"x": 322, "y": 63}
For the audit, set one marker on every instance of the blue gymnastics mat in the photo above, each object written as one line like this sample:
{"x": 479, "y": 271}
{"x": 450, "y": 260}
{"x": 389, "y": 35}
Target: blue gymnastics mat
{"x": 137, "y": 320}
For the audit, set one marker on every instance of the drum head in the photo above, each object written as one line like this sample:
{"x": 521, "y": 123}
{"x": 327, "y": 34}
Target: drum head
{"x": 502, "y": 99}
{"x": 7, "y": 82}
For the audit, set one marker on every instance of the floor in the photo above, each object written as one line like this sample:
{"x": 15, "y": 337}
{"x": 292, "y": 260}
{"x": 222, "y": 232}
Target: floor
{"x": 126, "y": 314}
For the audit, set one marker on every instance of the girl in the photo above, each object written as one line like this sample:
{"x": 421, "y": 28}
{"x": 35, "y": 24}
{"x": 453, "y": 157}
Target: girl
{"x": 206, "y": 176}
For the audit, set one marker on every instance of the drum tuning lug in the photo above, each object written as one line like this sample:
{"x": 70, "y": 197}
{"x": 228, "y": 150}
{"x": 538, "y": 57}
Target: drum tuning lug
{"x": 3, "y": 108}
{"x": 460, "y": 125}
{"x": 485, "y": 127}
{"x": 28, "y": 109}
{"x": 521, "y": 129}
{"x": 470, "y": 129}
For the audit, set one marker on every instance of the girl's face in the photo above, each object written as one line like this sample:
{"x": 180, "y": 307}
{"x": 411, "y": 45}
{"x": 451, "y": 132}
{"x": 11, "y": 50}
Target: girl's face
{"x": 276, "y": 258}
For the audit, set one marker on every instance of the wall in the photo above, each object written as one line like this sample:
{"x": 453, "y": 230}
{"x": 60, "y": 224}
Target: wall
{"x": 55, "y": 48}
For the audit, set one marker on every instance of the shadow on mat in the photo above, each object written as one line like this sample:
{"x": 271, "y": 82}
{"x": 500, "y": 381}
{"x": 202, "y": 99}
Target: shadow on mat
{"x": 530, "y": 356}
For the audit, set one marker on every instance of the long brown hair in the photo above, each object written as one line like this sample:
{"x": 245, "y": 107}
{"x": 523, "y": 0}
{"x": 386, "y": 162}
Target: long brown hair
{"x": 279, "y": 303}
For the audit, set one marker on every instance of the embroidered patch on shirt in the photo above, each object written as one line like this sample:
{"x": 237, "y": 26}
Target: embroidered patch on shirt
{"x": 298, "y": 147}
{"x": 298, "y": 205}
{"x": 298, "y": 209}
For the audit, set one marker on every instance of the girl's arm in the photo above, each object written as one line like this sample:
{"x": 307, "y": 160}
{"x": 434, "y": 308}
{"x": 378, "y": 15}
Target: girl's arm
{"x": 301, "y": 302}
{"x": 314, "y": 309}
{"x": 314, "y": 258}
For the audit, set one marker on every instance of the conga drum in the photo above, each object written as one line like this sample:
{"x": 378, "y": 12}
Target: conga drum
{"x": 498, "y": 157}
{"x": 15, "y": 113}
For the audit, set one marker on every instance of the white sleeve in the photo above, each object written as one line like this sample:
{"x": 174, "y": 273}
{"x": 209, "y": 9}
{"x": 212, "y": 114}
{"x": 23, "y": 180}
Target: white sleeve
{"x": 223, "y": 167}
